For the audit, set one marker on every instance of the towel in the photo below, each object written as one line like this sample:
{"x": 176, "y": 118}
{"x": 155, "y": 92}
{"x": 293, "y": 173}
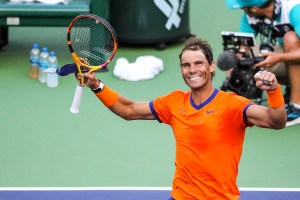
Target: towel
{"x": 144, "y": 68}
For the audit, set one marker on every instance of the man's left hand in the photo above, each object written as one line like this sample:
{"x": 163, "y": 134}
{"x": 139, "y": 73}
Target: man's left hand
{"x": 266, "y": 80}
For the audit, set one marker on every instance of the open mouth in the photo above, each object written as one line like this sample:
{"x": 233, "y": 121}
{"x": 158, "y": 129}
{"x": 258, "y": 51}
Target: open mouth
{"x": 193, "y": 78}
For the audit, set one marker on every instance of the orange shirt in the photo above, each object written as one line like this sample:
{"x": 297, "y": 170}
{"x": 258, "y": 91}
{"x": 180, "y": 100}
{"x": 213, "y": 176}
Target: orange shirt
{"x": 209, "y": 139}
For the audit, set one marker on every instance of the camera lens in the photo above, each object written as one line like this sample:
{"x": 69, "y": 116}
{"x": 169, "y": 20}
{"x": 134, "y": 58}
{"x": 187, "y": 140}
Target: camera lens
{"x": 237, "y": 82}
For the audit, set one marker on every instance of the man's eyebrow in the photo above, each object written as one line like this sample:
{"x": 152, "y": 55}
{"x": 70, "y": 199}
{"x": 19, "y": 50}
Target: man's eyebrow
{"x": 185, "y": 64}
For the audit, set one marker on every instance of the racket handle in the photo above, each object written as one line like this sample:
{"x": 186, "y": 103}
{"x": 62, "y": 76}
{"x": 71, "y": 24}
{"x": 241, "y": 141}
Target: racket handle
{"x": 77, "y": 99}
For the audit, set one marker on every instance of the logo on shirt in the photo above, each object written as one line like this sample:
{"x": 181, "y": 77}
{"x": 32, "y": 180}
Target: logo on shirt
{"x": 210, "y": 111}
{"x": 182, "y": 111}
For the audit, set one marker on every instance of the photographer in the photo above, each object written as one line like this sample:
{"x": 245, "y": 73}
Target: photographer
{"x": 278, "y": 22}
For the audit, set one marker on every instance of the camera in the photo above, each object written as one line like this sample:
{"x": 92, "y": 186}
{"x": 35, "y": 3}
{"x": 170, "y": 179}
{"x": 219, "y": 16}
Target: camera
{"x": 242, "y": 80}
{"x": 242, "y": 68}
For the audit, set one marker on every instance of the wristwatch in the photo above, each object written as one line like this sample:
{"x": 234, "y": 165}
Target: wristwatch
{"x": 100, "y": 88}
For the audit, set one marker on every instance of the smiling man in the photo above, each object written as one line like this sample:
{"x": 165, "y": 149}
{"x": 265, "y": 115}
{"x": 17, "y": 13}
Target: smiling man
{"x": 208, "y": 125}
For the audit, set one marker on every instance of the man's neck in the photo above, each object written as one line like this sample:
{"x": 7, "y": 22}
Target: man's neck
{"x": 200, "y": 95}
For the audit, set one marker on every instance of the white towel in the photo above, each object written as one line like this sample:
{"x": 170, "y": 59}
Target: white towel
{"x": 53, "y": 1}
{"x": 145, "y": 67}
{"x": 41, "y": 1}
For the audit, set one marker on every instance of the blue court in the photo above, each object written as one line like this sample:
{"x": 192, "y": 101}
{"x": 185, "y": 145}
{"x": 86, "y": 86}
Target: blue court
{"x": 131, "y": 193}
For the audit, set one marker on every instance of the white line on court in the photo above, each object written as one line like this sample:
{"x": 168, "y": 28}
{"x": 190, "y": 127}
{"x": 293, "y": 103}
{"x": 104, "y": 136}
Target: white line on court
{"x": 128, "y": 188}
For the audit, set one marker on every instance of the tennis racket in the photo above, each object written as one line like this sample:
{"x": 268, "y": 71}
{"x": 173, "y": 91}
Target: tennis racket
{"x": 93, "y": 43}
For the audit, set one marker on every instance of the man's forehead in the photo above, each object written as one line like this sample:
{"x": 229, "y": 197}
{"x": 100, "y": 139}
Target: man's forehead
{"x": 193, "y": 56}
{"x": 196, "y": 53}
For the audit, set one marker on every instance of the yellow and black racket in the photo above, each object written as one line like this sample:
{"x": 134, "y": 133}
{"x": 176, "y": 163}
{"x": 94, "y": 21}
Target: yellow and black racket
{"x": 93, "y": 44}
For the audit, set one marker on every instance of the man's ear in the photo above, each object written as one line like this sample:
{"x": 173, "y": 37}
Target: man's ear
{"x": 212, "y": 66}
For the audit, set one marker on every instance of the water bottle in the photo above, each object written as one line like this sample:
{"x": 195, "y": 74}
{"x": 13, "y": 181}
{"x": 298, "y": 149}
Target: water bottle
{"x": 43, "y": 64}
{"x": 52, "y": 78}
{"x": 34, "y": 62}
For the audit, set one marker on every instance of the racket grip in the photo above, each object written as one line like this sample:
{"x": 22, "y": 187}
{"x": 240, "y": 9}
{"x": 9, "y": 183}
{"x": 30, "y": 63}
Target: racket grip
{"x": 77, "y": 99}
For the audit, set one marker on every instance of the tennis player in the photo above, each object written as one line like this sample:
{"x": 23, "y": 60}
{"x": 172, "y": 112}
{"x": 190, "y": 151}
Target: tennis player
{"x": 208, "y": 124}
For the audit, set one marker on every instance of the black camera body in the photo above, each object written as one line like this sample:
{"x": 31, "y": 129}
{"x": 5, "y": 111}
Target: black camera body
{"x": 241, "y": 80}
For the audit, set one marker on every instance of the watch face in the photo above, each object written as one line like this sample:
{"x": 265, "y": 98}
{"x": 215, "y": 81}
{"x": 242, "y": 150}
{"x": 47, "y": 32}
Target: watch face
{"x": 101, "y": 85}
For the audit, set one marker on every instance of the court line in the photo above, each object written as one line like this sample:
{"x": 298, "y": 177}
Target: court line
{"x": 271, "y": 189}
{"x": 130, "y": 188}
{"x": 84, "y": 188}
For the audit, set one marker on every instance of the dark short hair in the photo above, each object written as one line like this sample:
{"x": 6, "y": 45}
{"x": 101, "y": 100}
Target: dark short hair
{"x": 196, "y": 44}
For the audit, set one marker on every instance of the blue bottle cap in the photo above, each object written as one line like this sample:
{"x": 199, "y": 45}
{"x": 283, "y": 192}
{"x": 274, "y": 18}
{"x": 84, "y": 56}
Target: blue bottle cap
{"x": 44, "y": 49}
{"x": 52, "y": 53}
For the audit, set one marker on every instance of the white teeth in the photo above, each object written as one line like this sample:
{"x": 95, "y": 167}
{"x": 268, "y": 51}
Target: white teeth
{"x": 194, "y": 78}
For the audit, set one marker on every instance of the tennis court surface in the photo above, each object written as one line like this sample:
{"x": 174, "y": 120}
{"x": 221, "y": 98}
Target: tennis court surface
{"x": 131, "y": 193}
{"x": 47, "y": 153}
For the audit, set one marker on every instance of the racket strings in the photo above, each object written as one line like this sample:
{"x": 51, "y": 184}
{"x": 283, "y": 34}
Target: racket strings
{"x": 92, "y": 40}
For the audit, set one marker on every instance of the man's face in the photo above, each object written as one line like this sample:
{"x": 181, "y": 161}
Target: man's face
{"x": 195, "y": 69}
{"x": 253, "y": 11}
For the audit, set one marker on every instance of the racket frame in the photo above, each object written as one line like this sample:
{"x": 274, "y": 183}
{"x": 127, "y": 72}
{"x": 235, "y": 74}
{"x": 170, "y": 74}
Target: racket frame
{"x": 77, "y": 60}
{"x": 82, "y": 65}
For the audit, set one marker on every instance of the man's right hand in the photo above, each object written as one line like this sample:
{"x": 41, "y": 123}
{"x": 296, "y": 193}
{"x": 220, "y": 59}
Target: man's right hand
{"x": 271, "y": 58}
{"x": 89, "y": 79}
